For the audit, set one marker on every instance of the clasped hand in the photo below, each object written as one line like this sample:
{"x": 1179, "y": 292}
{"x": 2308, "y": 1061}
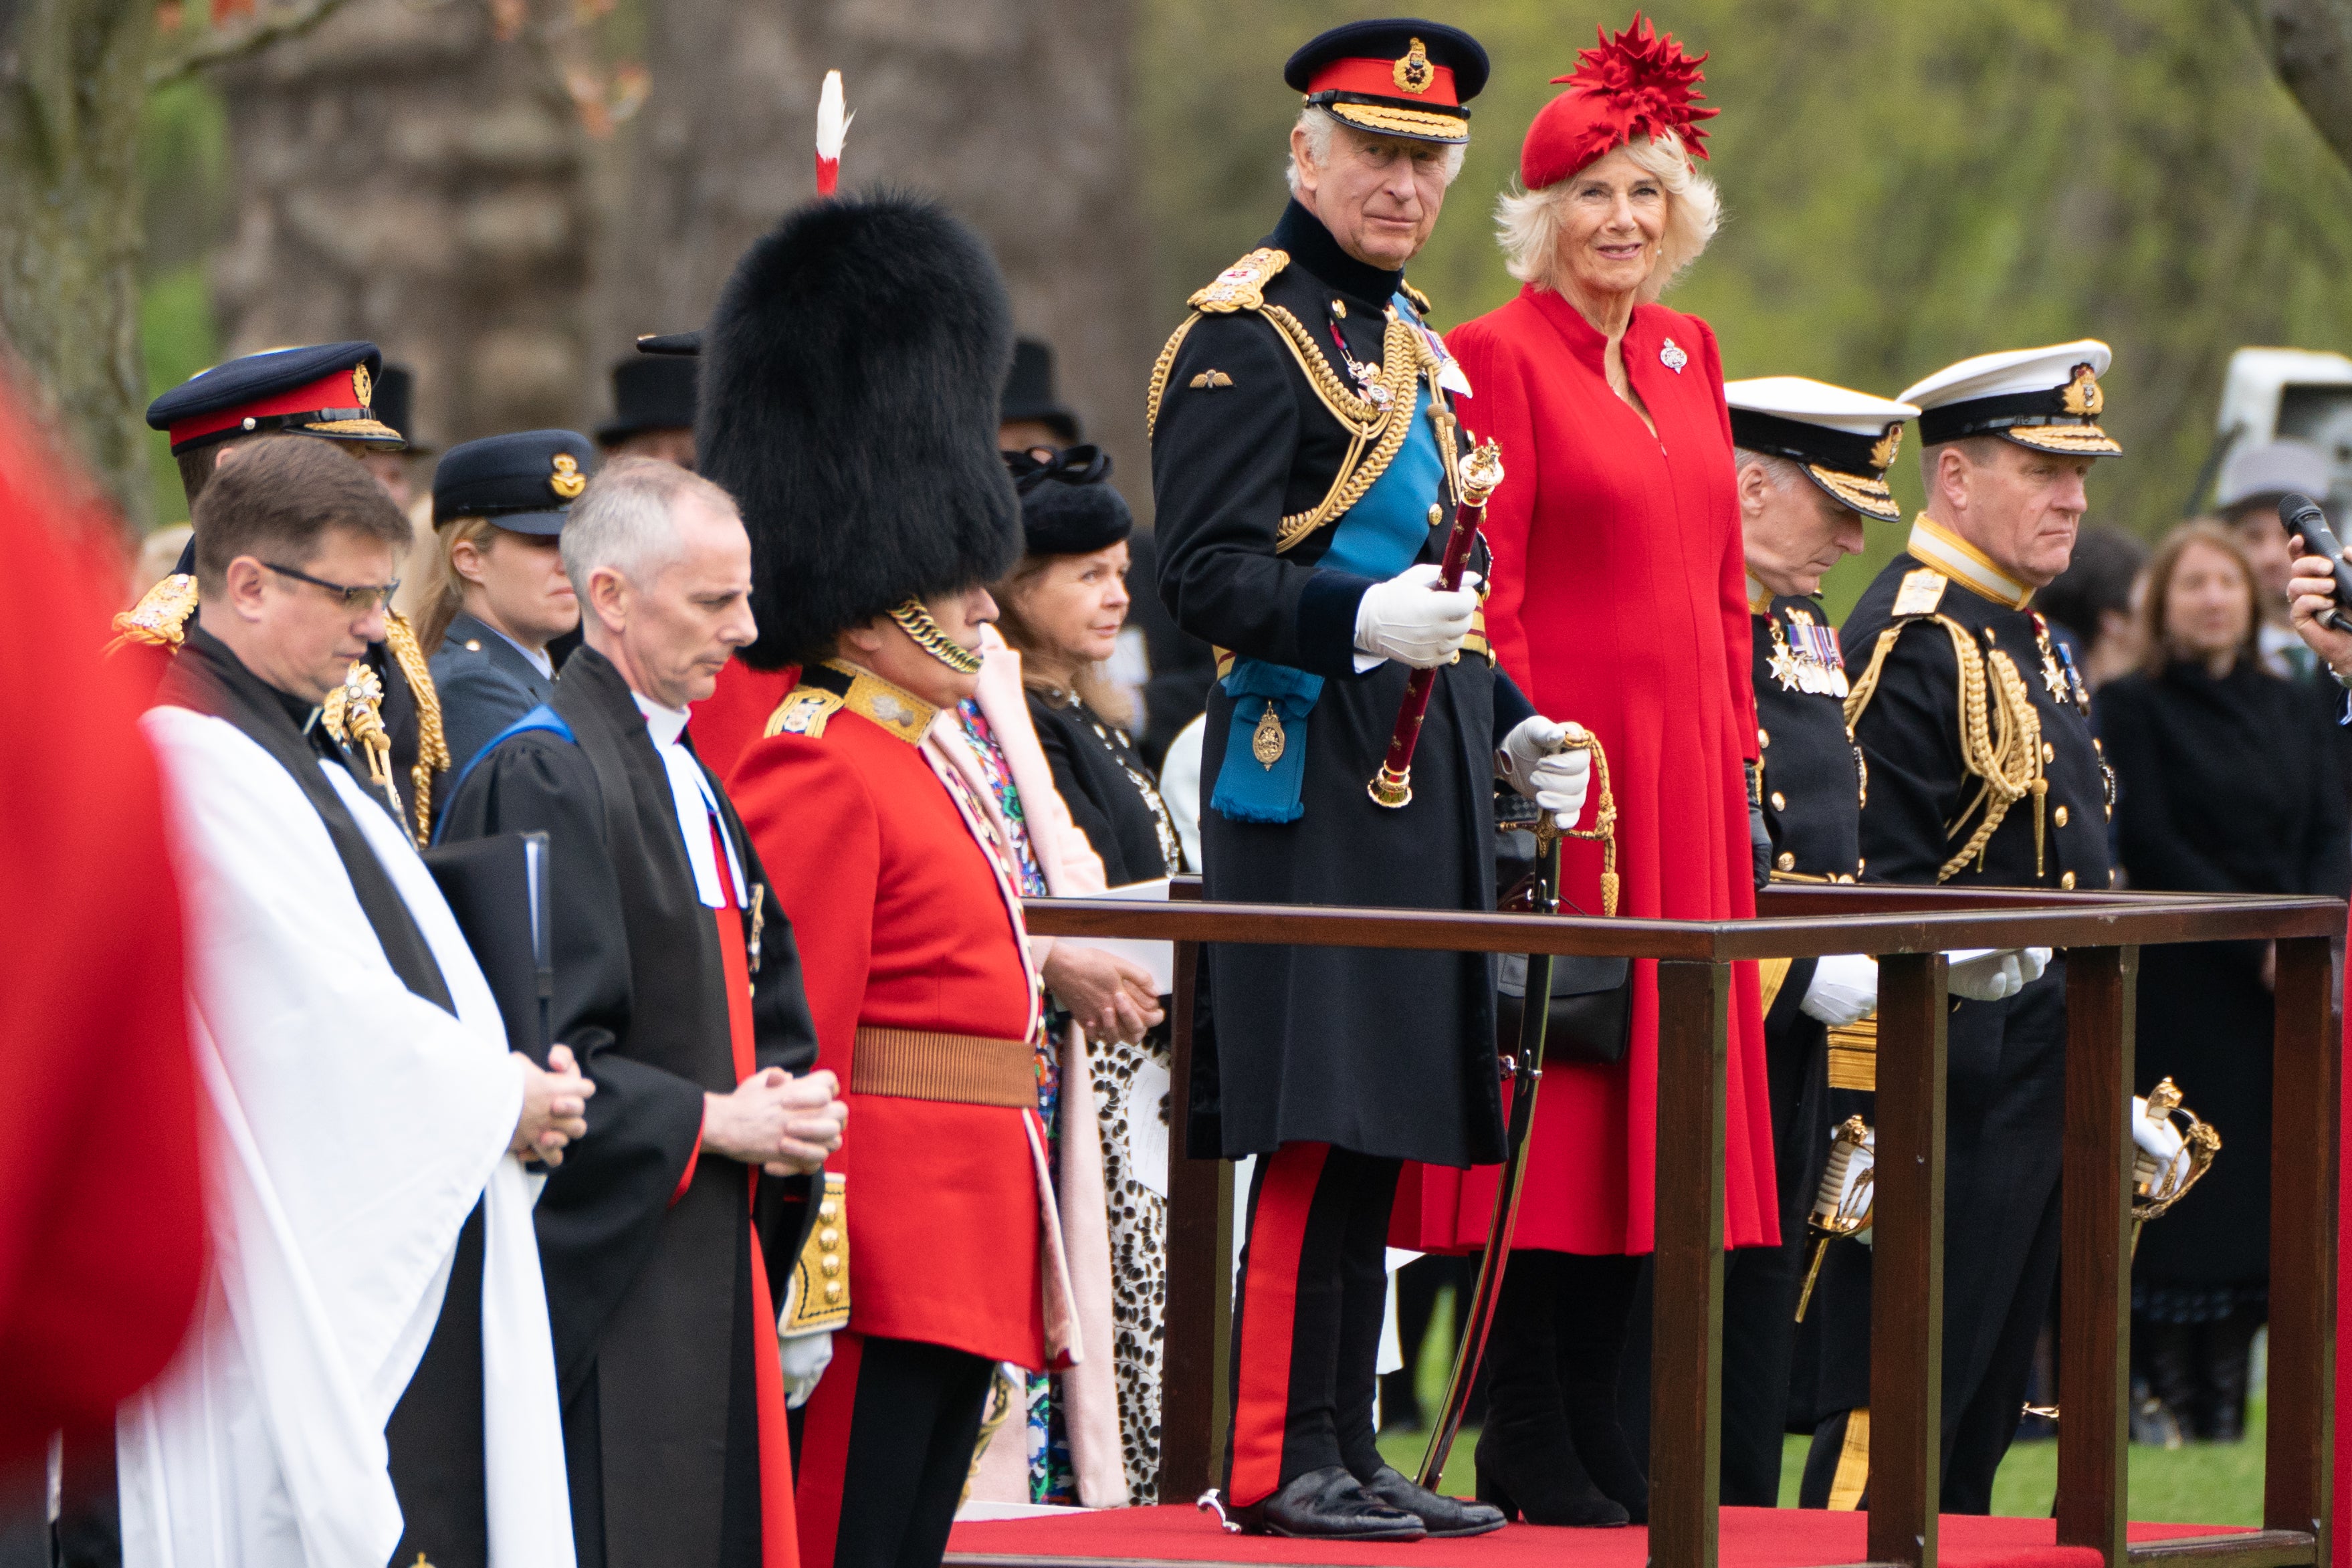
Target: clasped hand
{"x": 1412, "y": 620}
{"x": 554, "y": 1106}
{"x": 783, "y": 1124}
{"x": 1112, "y": 997}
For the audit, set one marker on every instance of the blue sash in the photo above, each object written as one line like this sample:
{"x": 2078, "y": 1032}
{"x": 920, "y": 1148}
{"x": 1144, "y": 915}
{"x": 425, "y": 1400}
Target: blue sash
{"x": 540, "y": 717}
{"x": 1377, "y": 537}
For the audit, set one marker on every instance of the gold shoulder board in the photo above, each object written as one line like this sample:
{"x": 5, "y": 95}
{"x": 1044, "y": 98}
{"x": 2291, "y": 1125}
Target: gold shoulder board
{"x": 819, "y": 1294}
{"x": 160, "y": 618}
{"x": 803, "y": 713}
{"x": 1421, "y": 302}
{"x": 1241, "y": 287}
{"x": 1922, "y": 591}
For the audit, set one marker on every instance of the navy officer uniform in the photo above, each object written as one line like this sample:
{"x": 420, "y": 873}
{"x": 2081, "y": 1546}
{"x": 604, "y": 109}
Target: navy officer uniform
{"x": 326, "y": 392}
{"x": 1975, "y": 731}
{"x": 524, "y": 484}
{"x": 1813, "y": 785}
{"x": 1297, "y": 475}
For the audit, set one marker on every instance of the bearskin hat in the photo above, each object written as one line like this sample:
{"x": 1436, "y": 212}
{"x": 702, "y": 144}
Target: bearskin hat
{"x": 850, "y": 380}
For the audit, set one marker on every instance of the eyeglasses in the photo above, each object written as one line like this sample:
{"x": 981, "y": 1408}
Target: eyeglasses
{"x": 358, "y": 598}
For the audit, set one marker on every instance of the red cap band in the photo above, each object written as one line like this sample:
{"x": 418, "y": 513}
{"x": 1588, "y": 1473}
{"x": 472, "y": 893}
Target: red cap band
{"x": 1378, "y": 79}
{"x": 336, "y": 389}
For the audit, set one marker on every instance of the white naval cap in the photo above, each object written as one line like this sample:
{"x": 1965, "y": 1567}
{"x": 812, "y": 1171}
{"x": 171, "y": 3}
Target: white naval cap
{"x": 2048, "y": 398}
{"x": 1846, "y": 440}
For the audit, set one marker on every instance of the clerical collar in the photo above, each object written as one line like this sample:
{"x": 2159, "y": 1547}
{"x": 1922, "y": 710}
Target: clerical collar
{"x": 867, "y": 695}
{"x": 1760, "y": 598}
{"x": 1310, "y": 245}
{"x": 667, "y": 722}
{"x": 1937, "y": 546}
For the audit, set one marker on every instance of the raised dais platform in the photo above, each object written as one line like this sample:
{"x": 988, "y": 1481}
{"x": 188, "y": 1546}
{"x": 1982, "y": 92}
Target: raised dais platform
{"x": 1749, "y": 1538}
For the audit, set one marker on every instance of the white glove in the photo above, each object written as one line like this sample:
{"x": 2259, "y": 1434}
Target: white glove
{"x": 803, "y": 1357}
{"x": 1844, "y": 988}
{"x": 1985, "y": 974}
{"x": 2031, "y": 963}
{"x": 1410, "y": 619}
{"x": 1530, "y": 760}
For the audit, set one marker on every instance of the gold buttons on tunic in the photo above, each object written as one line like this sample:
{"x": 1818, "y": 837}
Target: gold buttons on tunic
{"x": 2049, "y": 752}
{"x": 2059, "y": 815}
{"x": 1780, "y": 802}
{"x": 1787, "y": 862}
{"x": 473, "y": 645}
{"x": 1763, "y": 737}
{"x": 2067, "y": 882}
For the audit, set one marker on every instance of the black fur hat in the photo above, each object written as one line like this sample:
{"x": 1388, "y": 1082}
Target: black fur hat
{"x": 850, "y": 376}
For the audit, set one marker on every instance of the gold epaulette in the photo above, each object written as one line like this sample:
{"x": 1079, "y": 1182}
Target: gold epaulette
{"x": 803, "y": 713}
{"x": 432, "y": 742}
{"x": 160, "y": 618}
{"x": 1241, "y": 287}
{"x": 2000, "y": 733}
{"x": 1421, "y": 301}
{"x": 819, "y": 1295}
{"x": 1854, "y": 1055}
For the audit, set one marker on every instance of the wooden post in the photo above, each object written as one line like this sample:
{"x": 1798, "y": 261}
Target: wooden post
{"x": 1906, "y": 1294}
{"x": 2094, "y": 1304}
{"x": 2305, "y": 1065}
{"x": 1686, "y": 1325}
{"x": 1198, "y": 1317}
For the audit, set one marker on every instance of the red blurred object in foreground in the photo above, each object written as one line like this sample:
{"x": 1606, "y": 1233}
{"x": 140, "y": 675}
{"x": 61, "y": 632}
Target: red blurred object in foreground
{"x": 832, "y": 128}
{"x": 101, "y": 1201}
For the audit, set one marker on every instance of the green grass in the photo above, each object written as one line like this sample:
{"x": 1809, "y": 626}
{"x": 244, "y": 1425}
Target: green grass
{"x": 2204, "y": 1483}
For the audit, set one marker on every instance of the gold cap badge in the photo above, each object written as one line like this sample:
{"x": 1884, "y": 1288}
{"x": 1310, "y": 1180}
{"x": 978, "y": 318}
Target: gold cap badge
{"x": 566, "y": 481}
{"x": 1881, "y": 456}
{"x": 2084, "y": 398}
{"x": 361, "y": 387}
{"x": 1413, "y": 72}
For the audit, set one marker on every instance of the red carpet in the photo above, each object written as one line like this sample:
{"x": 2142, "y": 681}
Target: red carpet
{"x": 1752, "y": 1537}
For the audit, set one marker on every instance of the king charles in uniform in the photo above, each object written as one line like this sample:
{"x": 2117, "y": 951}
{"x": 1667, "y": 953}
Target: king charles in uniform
{"x": 1974, "y": 727}
{"x": 325, "y": 392}
{"x": 1305, "y": 446}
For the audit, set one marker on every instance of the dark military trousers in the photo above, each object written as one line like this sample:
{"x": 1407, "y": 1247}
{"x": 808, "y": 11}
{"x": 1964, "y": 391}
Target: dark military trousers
{"x": 1308, "y": 1310}
{"x": 883, "y": 1450}
{"x": 2004, "y": 1120}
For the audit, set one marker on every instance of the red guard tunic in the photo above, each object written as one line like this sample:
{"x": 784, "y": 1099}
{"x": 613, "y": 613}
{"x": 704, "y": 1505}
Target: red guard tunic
{"x": 903, "y": 924}
{"x": 1619, "y": 601}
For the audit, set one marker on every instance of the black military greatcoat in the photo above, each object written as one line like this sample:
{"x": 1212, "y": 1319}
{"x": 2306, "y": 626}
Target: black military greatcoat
{"x": 1384, "y": 1053}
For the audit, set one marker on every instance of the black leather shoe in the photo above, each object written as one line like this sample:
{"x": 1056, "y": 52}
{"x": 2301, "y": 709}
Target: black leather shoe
{"x": 1439, "y": 1514}
{"x": 1326, "y": 1505}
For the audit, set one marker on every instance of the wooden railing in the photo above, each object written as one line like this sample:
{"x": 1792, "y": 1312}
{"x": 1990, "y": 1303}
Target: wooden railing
{"x": 1908, "y": 930}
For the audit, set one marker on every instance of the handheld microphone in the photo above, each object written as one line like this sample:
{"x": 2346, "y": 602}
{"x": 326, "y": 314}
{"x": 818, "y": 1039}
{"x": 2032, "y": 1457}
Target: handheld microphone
{"x": 2301, "y": 514}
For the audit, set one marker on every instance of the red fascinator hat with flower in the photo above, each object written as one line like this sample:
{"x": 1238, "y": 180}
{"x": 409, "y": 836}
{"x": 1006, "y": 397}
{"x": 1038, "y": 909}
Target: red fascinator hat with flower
{"x": 1639, "y": 83}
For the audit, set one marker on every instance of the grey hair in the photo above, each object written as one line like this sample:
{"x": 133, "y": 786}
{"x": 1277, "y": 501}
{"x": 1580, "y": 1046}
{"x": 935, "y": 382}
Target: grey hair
{"x": 1318, "y": 123}
{"x": 1781, "y": 471}
{"x": 1528, "y": 223}
{"x": 623, "y": 521}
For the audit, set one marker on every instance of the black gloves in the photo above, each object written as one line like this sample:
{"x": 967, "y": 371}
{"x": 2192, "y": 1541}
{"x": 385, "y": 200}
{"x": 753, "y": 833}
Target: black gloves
{"x": 1759, "y": 837}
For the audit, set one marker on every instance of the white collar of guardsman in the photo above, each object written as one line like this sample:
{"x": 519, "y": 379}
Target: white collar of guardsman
{"x": 1760, "y": 598}
{"x": 1935, "y": 545}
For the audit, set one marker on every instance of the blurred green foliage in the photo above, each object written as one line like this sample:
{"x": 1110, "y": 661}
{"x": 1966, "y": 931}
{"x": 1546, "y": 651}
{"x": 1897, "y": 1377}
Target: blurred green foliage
{"x": 1903, "y": 185}
{"x": 184, "y": 164}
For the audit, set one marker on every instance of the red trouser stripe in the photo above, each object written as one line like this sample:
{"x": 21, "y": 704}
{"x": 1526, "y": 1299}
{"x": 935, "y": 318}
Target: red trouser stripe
{"x": 1262, "y": 1338}
{"x": 824, "y": 1450}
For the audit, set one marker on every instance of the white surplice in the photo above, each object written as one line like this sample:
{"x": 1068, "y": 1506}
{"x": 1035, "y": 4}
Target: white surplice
{"x": 353, "y": 1127}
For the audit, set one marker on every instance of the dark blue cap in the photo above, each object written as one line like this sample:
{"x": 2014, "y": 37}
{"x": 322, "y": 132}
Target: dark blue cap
{"x": 1398, "y": 75}
{"x": 525, "y": 482}
{"x": 326, "y": 390}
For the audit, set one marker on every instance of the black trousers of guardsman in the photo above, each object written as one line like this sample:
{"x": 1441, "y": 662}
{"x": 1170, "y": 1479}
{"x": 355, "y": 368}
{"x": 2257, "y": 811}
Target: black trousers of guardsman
{"x": 882, "y": 1450}
{"x": 1308, "y": 1310}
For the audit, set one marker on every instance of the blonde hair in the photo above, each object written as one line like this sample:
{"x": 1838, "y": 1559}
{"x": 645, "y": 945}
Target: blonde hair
{"x": 1089, "y": 684}
{"x": 444, "y": 588}
{"x": 1528, "y": 223}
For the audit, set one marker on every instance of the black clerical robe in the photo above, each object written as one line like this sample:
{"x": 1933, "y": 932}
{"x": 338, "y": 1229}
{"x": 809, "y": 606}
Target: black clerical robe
{"x": 650, "y": 1262}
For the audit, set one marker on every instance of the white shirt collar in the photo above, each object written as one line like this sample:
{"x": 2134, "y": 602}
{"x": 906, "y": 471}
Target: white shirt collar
{"x": 698, "y": 808}
{"x": 667, "y": 722}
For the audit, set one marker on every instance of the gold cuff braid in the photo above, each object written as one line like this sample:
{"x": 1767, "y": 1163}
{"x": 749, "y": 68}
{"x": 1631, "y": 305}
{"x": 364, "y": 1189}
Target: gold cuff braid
{"x": 818, "y": 1298}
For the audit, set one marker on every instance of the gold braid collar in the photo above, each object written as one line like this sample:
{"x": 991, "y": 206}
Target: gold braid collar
{"x": 1999, "y": 733}
{"x": 432, "y": 744}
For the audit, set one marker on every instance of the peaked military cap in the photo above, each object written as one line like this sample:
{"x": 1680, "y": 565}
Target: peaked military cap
{"x": 525, "y": 482}
{"x": 2046, "y": 398}
{"x": 1399, "y": 77}
{"x": 325, "y": 390}
{"x": 1844, "y": 441}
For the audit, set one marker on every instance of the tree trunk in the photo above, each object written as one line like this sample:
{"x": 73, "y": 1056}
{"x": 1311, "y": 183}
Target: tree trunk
{"x": 2309, "y": 44}
{"x": 1016, "y": 111}
{"x": 404, "y": 176}
{"x": 74, "y": 76}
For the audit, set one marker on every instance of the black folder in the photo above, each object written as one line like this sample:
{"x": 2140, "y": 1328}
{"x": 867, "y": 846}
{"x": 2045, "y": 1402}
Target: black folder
{"x": 497, "y": 889}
